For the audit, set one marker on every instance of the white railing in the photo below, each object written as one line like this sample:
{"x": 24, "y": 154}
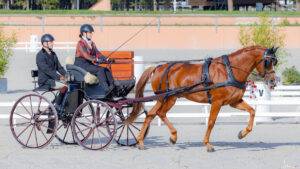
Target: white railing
{"x": 254, "y": 104}
{"x": 34, "y": 46}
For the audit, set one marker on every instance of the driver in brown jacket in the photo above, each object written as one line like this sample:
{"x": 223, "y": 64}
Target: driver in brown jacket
{"x": 89, "y": 57}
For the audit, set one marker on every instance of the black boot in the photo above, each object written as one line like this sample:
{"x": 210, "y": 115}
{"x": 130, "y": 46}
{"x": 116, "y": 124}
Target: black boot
{"x": 51, "y": 122}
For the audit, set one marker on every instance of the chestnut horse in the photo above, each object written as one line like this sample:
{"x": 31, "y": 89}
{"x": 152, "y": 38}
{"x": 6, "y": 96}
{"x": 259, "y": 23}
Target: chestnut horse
{"x": 242, "y": 64}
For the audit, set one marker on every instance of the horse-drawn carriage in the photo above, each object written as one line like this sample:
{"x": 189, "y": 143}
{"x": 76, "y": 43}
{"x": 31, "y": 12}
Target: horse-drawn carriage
{"x": 96, "y": 117}
{"x": 85, "y": 116}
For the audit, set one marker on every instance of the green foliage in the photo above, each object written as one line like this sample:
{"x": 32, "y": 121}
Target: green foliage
{"x": 49, "y": 4}
{"x": 21, "y": 4}
{"x": 291, "y": 76}
{"x": 6, "y": 44}
{"x": 264, "y": 34}
{"x": 148, "y": 12}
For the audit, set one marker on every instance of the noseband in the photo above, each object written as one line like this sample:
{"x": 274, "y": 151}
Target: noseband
{"x": 268, "y": 60}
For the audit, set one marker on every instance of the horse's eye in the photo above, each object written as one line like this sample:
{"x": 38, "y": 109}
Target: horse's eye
{"x": 275, "y": 61}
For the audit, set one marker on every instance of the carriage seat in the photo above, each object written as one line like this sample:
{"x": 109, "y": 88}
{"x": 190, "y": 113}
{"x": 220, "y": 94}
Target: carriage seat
{"x": 92, "y": 87}
{"x": 81, "y": 75}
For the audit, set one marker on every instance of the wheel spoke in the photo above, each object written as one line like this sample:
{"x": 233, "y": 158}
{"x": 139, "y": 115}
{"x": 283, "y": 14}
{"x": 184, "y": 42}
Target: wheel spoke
{"x": 35, "y": 136}
{"x": 22, "y": 116}
{"x": 103, "y": 133}
{"x": 29, "y": 136}
{"x": 31, "y": 105}
{"x": 88, "y": 118}
{"x": 120, "y": 126}
{"x": 132, "y": 133}
{"x": 102, "y": 114}
{"x": 127, "y": 141}
{"x": 99, "y": 136}
{"x": 66, "y": 131}
{"x": 26, "y": 109}
{"x": 135, "y": 127}
{"x": 92, "y": 138}
{"x": 44, "y": 135}
{"x": 121, "y": 133}
{"x": 23, "y": 131}
{"x": 21, "y": 124}
{"x": 60, "y": 126}
{"x": 82, "y": 123}
{"x": 79, "y": 130}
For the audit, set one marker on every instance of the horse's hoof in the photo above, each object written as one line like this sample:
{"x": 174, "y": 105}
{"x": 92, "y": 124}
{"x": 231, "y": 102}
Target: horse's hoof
{"x": 240, "y": 135}
{"x": 141, "y": 147}
{"x": 210, "y": 149}
{"x": 172, "y": 141}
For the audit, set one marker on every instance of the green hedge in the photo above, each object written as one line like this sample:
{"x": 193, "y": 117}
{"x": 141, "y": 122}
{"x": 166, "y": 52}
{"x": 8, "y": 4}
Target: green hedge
{"x": 179, "y": 12}
{"x": 6, "y": 44}
{"x": 290, "y": 76}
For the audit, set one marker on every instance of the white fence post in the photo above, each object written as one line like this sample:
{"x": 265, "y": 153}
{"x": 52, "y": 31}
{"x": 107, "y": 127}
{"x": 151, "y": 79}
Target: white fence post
{"x": 158, "y": 121}
{"x": 264, "y": 94}
{"x": 138, "y": 67}
{"x": 33, "y": 43}
{"x": 206, "y": 112}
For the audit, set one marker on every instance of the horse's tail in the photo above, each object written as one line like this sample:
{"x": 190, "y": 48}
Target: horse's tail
{"x": 140, "y": 87}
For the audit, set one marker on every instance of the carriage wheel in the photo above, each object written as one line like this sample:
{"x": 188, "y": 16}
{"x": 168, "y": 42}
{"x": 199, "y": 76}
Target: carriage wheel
{"x": 64, "y": 130}
{"x": 94, "y": 129}
{"x": 126, "y": 134}
{"x": 49, "y": 95}
{"x": 64, "y": 133}
{"x": 30, "y": 119}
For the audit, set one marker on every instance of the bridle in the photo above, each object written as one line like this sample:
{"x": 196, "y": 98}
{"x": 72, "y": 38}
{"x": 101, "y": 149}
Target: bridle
{"x": 268, "y": 61}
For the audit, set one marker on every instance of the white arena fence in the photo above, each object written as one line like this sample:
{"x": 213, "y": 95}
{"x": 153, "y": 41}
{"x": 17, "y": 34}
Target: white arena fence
{"x": 285, "y": 96}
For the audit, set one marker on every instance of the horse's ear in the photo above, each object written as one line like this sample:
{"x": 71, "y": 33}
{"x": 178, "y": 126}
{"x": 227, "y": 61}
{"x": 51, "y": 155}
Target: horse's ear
{"x": 275, "y": 50}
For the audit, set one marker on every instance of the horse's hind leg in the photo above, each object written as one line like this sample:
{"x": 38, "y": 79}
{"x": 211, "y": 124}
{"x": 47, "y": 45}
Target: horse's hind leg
{"x": 162, "y": 113}
{"x": 150, "y": 116}
{"x": 242, "y": 105}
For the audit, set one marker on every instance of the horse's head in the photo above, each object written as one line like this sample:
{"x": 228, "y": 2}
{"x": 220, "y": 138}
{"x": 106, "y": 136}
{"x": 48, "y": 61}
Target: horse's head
{"x": 265, "y": 66}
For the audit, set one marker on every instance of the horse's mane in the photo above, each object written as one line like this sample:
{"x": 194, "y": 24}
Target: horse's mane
{"x": 246, "y": 49}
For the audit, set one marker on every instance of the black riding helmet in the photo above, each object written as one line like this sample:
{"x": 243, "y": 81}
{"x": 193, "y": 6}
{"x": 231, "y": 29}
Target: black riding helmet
{"x": 47, "y": 38}
{"x": 86, "y": 28}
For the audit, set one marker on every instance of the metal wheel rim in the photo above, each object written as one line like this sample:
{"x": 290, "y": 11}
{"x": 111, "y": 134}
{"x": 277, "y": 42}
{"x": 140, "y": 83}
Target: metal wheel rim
{"x": 35, "y": 128}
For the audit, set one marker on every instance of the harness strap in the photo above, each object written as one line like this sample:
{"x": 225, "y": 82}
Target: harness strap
{"x": 205, "y": 77}
{"x": 165, "y": 75}
{"x": 231, "y": 81}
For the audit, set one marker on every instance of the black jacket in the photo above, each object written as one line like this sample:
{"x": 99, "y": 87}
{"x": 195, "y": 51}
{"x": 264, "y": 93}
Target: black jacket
{"x": 48, "y": 66}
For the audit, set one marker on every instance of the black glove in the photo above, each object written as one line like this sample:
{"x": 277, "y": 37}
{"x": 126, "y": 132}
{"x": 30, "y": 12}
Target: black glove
{"x": 100, "y": 60}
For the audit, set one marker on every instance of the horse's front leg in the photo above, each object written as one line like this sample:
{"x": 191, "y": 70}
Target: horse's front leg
{"x": 242, "y": 105}
{"x": 150, "y": 116}
{"x": 215, "y": 108}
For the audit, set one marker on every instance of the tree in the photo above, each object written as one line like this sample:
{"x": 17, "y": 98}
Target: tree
{"x": 48, "y": 4}
{"x": 5, "y": 4}
{"x": 6, "y": 44}
{"x": 230, "y": 5}
{"x": 264, "y": 34}
{"x": 21, "y": 4}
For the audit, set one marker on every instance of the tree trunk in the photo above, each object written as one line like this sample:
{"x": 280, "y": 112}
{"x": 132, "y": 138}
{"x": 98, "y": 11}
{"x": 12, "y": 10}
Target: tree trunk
{"x": 74, "y": 4}
{"x": 154, "y": 5}
{"x": 7, "y": 4}
{"x": 298, "y": 5}
{"x": 230, "y": 5}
